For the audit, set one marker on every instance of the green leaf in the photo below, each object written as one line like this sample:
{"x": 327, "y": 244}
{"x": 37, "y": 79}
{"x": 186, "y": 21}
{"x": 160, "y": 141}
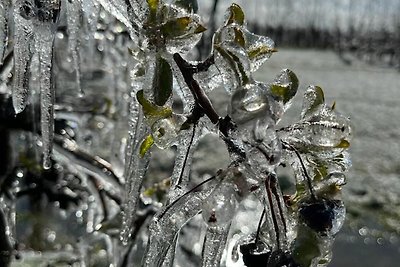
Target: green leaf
{"x": 153, "y": 7}
{"x": 343, "y": 144}
{"x": 239, "y": 37}
{"x": 176, "y": 27}
{"x": 260, "y": 51}
{"x": 146, "y": 145}
{"x": 150, "y": 109}
{"x": 149, "y": 192}
{"x": 306, "y": 246}
{"x": 235, "y": 64}
{"x": 313, "y": 99}
{"x": 236, "y": 15}
{"x": 200, "y": 28}
{"x": 163, "y": 82}
{"x": 189, "y": 5}
{"x": 320, "y": 172}
{"x": 285, "y": 86}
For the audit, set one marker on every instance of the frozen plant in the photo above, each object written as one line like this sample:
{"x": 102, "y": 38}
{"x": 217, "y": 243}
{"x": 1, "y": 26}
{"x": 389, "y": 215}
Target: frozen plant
{"x": 98, "y": 146}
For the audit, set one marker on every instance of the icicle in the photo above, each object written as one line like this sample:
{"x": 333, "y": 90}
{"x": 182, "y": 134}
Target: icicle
{"x": 22, "y": 57}
{"x": 46, "y": 98}
{"x": 73, "y": 19}
{"x": 91, "y": 8}
{"x": 214, "y": 245}
{"x": 45, "y": 26}
{"x": 91, "y": 12}
{"x": 169, "y": 221}
{"x": 4, "y": 20}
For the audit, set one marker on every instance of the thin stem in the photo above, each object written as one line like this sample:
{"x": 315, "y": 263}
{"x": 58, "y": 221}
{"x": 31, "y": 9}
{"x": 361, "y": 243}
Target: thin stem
{"x": 187, "y": 154}
{"x": 259, "y": 227}
{"x": 308, "y": 178}
{"x": 273, "y": 186}
{"x": 273, "y": 215}
{"x": 187, "y": 193}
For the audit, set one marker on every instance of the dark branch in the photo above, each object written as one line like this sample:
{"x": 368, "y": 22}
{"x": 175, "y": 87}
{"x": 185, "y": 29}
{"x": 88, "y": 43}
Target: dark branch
{"x": 308, "y": 178}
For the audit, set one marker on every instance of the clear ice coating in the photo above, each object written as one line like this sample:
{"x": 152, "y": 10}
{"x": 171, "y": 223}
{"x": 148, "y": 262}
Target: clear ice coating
{"x": 220, "y": 207}
{"x": 4, "y": 26}
{"x": 214, "y": 245}
{"x": 74, "y": 9}
{"x": 46, "y": 94}
{"x": 45, "y": 19}
{"x": 153, "y": 103}
{"x": 166, "y": 224}
{"x": 23, "y": 48}
{"x": 119, "y": 9}
{"x": 135, "y": 169}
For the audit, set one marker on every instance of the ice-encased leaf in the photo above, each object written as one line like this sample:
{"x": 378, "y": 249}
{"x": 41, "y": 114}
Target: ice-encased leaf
{"x": 146, "y": 145}
{"x": 313, "y": 101}
{"x": 259, "y": 49}
{"x": 177, "y": 27}
{"x": 324, "y": 132}
{"x": 251, "y": 102}
{"x": 284, "y": 87}
{"x": 165, "y": 131}
{"x": 307, "y": 246}
{"x": 181, "y": 31}
{"x": 231, "y": 56}
{"x": 163, "y": 81}
{"x": 264, "y": 146}
{"x": 234, "y": 14}
{"x": 234, "y": 32}
{"x": 150, "y": 110}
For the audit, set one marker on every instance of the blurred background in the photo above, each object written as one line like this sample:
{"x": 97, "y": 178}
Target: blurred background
{"x": 349, "y": 48}
{"x": 352, "y": 50}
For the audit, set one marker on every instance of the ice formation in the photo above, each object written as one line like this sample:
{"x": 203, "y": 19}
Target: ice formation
{"x": 138, "y": 45}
